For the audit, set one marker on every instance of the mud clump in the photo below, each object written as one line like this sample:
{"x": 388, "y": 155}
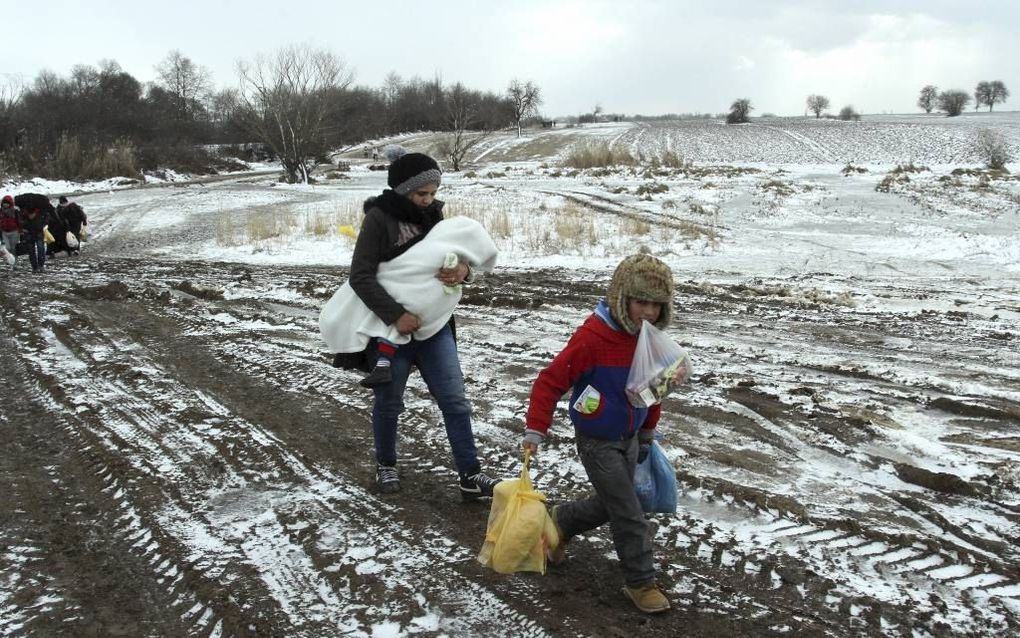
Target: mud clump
{"x": 938, "y": 481}
{"x": 113, "y": 291}
{"x": 954, "y": 406}
{"x": 202, "y": 292}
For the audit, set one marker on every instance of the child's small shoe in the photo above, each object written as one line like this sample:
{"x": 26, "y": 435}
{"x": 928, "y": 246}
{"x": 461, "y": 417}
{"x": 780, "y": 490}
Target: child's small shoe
{"x": 557, "y": 555}
{"x": 380, "y": 375}
{"x": 648, "y": 598}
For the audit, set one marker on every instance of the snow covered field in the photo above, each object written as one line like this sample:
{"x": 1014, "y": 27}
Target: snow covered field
{"x": 848, "y": 448}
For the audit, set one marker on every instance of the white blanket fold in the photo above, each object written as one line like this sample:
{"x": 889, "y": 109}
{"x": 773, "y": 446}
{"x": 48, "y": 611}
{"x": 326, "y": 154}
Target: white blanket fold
{"x": 346, "y": 323}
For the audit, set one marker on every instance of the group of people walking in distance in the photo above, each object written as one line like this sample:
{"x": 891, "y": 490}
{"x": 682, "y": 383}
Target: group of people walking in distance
{"x": 30, "y": 225}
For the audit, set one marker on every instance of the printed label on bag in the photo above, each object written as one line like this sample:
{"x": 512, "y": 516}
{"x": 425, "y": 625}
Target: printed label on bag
{"x": 588, "y": 401}
{"x": 648, "y": 397}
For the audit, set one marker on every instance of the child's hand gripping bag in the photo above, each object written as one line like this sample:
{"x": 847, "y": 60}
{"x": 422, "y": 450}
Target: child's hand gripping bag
{"x": 520, "y": 530}
{"x": 653, "y": 372}
{"x": 655, "y": 482}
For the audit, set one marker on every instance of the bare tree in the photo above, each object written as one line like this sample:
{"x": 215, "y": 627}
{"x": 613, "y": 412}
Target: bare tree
{"x": 12, "y": 87}
{"x": 928, "y": 98}
{"x": 739, "y": 111}
{"x": 990, "y": 93}
{"x": 953, "y": 102}
{"x": 222, "y": 105}
{"x": 525, "y": 98}
{"x": 999, "y": 93}
{"x": 467, "y": 126}
{"x": 284, "y": 99}
{"x": 817, "y": 104}
{"x": 188, "y": 84}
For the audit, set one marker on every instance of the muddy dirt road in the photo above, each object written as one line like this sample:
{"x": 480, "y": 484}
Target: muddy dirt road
{"x": 179, "y": 459}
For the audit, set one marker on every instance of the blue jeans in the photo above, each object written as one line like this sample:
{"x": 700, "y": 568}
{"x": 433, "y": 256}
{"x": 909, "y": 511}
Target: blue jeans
{"x": 37, "y": 255}
{"x": 436, "y": 359}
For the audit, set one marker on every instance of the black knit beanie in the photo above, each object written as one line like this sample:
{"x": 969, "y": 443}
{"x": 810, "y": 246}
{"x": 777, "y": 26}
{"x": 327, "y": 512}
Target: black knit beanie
{"x": 410, "y": 171}
{"x": 640, "y": 277}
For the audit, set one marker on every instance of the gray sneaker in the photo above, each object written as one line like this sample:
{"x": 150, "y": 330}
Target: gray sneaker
{"x": 386, "y": 479}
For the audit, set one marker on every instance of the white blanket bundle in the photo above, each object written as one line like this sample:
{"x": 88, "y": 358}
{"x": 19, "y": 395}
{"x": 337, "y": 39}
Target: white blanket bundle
{"x": 346, "y": 323}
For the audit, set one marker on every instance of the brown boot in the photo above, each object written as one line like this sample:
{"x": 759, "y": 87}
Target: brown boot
{"x": 558, "y": 554}
{"x": 648, "y": 598}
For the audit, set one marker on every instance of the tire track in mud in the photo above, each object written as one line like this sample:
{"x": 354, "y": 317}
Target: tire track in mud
{"x": 611, "y": 207}
{"x": 76, "y": 540}
{"x": 821, "y": 152}
{"x": 270, "y": 548}
{"x": 740, "y": 545}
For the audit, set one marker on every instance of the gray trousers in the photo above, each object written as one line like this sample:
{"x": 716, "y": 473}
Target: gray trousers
{"x": 610, "y": 468}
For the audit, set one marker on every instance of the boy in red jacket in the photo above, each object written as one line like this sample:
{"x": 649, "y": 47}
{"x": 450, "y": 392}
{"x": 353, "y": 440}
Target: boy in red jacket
{"x": 611, "y": 434}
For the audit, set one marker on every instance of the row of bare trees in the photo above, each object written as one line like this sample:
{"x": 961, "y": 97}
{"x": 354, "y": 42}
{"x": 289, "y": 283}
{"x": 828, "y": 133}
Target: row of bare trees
{"x": 299, "y": 101}
{"x": 954, "y": 101}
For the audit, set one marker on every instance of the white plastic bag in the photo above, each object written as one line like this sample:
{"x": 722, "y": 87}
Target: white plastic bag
{"x": 7, "y": 256}
{"x": 72, "y": 241}
{"x": 654, "y": 370}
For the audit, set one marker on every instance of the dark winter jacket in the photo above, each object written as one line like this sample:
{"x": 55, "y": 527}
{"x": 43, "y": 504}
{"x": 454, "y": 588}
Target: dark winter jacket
{"x": 594, "y": 365}
{"x": 73, "y": 217}
{"x": 10, "y": 216}
{"x": 33, "y": 220}
{"x": 392, "y": 225}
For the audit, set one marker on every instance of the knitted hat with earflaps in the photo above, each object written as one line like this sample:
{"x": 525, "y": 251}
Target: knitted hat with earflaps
{"x": 410, "y": 171}
{"x": 640, "y": 277}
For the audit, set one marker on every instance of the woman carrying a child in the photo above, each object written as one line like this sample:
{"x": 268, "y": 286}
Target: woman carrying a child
{"x": 399, "y": 338}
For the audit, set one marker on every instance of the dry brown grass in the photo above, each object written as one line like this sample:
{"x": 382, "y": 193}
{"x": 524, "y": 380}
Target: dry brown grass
{"x": 634, "y": 226}
{"x": 597, "y": 154}
{"x": 574, "y": 227}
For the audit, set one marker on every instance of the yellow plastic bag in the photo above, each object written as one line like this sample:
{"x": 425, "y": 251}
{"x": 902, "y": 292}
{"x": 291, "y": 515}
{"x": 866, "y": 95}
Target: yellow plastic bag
{"x": 348, "y": 230}
{"x": 520, "y": 530}
{"x": 47, "y": 236}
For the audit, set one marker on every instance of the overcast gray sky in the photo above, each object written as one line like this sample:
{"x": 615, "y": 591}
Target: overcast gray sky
{"x": 645, "y": 57}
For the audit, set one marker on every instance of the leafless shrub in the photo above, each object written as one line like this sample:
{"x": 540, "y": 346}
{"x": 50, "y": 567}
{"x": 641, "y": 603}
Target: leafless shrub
{"x": 991, "y": 146}
{"x": 848, "y": 114}
{"x": 651, "y": 189}
{"x": 777, "y": 186}
{"x": 909, "y": 167}
{"x": 953, "y": 102}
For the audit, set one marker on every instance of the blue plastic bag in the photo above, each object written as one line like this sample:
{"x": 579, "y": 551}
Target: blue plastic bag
{"x": 655, "y": 482}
